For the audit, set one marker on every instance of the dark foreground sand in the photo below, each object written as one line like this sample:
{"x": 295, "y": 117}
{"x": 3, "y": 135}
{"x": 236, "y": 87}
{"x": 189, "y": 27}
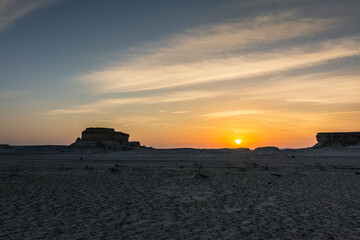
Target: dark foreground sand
{"x": 150, "y": 194}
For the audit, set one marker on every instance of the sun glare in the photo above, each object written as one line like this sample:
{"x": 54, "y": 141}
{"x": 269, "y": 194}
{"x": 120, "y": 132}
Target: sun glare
{"x": 238, "y": 141}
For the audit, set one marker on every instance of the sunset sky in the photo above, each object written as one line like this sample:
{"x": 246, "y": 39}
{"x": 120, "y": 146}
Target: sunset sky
{"x": 179, "y": 73}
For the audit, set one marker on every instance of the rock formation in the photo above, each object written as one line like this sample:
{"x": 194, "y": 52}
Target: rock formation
{"x": 104, "y": 134}
{"x": 267, "y": 150}
{"x": 5, "y": 146}
{"x": 337, "y": 139}
{"x": 104, "y": 138}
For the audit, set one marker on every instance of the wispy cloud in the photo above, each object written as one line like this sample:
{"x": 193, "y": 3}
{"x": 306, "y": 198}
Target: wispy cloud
{"x": 225, "y": 52}
{"x": 179, "y": 112}
{"x": 232, "y": 113}
{"x": 138, "y": 119}
{"x": 99, "y": 106}
{"x": 72, "y": 111}
{"x": 322, "y": 92}
{"x": 218, "y": 69}
{"x": 12, "y": 10}
{"x": 332, "y": 87}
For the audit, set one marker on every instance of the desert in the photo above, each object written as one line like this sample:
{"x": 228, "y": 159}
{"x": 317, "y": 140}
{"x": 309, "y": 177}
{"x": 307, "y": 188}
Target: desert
{"x": 145, "y": 193}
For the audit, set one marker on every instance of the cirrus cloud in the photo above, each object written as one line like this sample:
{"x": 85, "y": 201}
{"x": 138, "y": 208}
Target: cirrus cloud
{"x": 225, "y": 52}
{"x": 97, "y": 107}
{"x": 12, "y": 10}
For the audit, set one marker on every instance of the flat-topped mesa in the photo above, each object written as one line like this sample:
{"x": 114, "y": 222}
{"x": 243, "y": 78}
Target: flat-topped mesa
{"x": 98, "y": 138}
{"x": 104, "y": 134}
{"x": 337, "y": 139}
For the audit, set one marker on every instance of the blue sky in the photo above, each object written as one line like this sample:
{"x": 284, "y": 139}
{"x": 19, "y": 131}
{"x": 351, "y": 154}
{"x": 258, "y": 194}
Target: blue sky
{"x": 213, "y": 70}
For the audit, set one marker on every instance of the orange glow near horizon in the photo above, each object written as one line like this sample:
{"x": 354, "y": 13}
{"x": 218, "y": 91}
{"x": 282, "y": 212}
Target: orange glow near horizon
{"x": 178, "y": 131}
{"x": 183, "y": 131}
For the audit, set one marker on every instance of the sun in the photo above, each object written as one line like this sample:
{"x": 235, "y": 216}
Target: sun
{"x": 238, "y": 141}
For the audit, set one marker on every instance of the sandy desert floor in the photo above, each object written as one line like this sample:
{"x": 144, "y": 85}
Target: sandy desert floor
{"x": 181, "y": 194}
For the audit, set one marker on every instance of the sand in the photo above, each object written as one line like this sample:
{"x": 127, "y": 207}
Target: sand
{"x": 180, "y": 194}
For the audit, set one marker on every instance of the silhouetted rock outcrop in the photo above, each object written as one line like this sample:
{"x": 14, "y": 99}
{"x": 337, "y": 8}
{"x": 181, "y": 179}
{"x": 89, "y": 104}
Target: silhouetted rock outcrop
{"x": 267, "y": 150}
{"x": 337, "y": 139}
{"x": 5, "y": 146}
{"x": 104, "y": 138}
{"x": 104, "y": 134}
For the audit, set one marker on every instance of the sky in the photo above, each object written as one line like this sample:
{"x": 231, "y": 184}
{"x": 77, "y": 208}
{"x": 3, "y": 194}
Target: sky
{"x": 179, "y": 73}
